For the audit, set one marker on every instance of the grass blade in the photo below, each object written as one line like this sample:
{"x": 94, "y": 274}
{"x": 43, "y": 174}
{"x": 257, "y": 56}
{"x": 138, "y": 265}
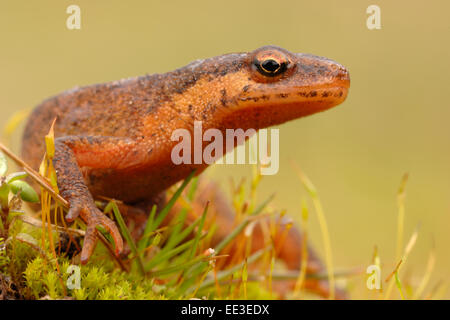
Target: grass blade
{"x": 165, "y": 211}
{"x": 178, "y": 267}
{"x": 164, "y": 255}
{"x": 236, "y": 231}
{"x": 226, "y": 273}
{"x": 145, "y": 239}
{"x": 323, "y": 227}
{"x": 199, "y": 232}
{"x": 126, "y": 234}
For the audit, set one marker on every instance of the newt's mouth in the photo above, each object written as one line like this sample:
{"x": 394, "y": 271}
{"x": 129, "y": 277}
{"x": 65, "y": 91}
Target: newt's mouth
{"x": 329, "y": 94}
{"x": 263, "y": 109}
{"x": 326, "y": 94}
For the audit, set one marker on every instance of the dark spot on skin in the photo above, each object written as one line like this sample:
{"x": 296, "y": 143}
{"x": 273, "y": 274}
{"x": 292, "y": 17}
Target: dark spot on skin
{"x": 150, "y": 109}
{"x": 340, "y": 93}
{"x": 313, "y": 93}
{"x": 245, "y": 88}
{"x": 325, "y": 94}
{"x": 283, "y": 95}
{"x": 255, "y": 99}
{"x": 190, "y": 111}
{"x": 265, "y": 97}
{"x": 306, "y": 68}
{"x": 223, "y": 100}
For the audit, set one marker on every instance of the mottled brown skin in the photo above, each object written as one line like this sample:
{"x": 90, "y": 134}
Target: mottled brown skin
{"x": 113, "y": 139}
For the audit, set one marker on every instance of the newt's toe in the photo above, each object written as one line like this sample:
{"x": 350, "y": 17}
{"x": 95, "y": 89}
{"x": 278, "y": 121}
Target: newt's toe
{"x": 111, "y": 227}
{"x": 95, "y": 218}
{"x": 74, "y": 211}
{"x": 90, "y": 240}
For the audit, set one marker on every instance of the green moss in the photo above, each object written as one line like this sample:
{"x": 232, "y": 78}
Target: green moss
{"x": 33, "y": 275}
{"x": 42, "y": 279}
{"x": 4, "y": 259}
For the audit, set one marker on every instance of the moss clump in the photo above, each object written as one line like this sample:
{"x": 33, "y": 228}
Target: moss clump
{"x": 97, "y": 281}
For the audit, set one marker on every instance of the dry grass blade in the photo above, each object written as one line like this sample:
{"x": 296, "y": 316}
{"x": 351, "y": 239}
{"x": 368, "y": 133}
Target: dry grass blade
{"x": 408, "y": 249}
{"x": 38, "y": 224}
{"x": 35, "y": 175}
{"x": 323, "y": 227}
{"x": 304, "y": 260}
{"x": 426, "y": 278}
{"x": 401, "y": 215}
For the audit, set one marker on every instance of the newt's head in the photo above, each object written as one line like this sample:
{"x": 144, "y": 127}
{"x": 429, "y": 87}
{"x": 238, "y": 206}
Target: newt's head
{"x": 275, "y": 85}
{"x": 258, "y": 89}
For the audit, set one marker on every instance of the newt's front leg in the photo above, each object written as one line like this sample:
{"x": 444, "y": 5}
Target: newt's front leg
{"x": 73, "y": 152}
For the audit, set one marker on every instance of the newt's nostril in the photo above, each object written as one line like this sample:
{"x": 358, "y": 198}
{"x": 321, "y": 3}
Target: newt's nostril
{"x": 343, "y": 74}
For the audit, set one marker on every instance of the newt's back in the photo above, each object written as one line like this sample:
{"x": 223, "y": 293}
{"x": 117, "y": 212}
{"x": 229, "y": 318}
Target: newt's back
{"x": 113, "y": 109}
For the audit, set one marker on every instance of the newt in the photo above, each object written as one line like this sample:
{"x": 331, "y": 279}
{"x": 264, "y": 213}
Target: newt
{"x": 114, "y": 139}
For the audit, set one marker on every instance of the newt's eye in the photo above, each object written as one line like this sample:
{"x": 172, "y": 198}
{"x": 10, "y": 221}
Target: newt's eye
{"x": 270, "y": 67}
{"x": 270, "y": 64}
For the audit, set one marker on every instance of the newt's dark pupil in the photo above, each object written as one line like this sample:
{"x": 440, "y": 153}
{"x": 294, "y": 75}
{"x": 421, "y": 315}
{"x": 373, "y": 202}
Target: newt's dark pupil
{"x": 270, "y": 65}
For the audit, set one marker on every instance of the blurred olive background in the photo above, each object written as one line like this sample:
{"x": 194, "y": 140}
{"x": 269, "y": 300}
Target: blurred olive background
{"x": 395, "y": 119}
